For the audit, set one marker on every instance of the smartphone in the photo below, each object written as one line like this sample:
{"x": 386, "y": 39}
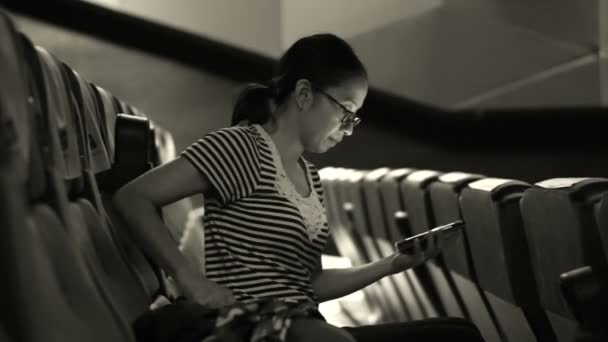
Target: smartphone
{"x": 407, "y": 245}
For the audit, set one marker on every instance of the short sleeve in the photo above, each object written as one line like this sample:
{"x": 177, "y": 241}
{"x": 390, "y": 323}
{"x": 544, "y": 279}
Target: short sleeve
{"x": 229, "y": 160}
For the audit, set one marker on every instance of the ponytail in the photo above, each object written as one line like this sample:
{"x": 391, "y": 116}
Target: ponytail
{"x": 253, "y": 105}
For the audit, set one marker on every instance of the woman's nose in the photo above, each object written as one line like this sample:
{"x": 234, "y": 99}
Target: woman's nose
{"x": 347, "y": 129}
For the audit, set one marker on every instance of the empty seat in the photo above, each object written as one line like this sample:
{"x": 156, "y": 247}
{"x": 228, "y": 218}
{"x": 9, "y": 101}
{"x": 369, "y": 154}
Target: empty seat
{"x": 563, "y": 235}
{"x": 346, "y": 242}
{"x": 83, "y": 213}
{"x": 494, "y": 227}
{"x": 379, "y": 230}
{"x": 132, "y": 137}
{"x": 439, "y": 282}
{"x": 49, "y": 293}
{"x": 352, "y": 192}
{"x": 87, "y": 107}
{"x": 444, "y": 196}
{"x": 107, "y": 108}
{"x": 397, "y": 229}
{"x": 336, "y": 217}
{"x": 601, "y": 212}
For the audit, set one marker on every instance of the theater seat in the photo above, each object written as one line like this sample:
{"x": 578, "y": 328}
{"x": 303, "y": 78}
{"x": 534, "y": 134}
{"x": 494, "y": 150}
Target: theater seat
{"x": 490, "y": 208}
{"x": 375, "y": 211}
{"x": 416, "y": 200}
{"x": 352, "y": 192}
{"x": 87, "y": 108}
{"x": 132, "y": 139}
{"x": 82, "y": 213}
{"x": 108, "y": 111}
{"x": 346, "y": 242}
{"x": 398, "y": 229}
{"x": 49, "y": 294}
{"x": 601, "y": 214}
{"x": 560, "y": 224}
{"x": 444, "y": 196}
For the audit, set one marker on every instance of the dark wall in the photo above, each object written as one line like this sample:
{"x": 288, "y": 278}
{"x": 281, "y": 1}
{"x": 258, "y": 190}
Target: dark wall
{"x": 375, "y": 146}
{"x": 188, "y": 84}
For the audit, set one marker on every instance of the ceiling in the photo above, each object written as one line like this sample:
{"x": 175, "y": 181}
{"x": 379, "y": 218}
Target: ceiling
{"x": 449, "y": 53}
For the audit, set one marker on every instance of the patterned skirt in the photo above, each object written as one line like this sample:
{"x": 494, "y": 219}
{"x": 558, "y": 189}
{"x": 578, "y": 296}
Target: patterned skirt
{"x": 185, "y": 321}
{"x": 266, "y": 320}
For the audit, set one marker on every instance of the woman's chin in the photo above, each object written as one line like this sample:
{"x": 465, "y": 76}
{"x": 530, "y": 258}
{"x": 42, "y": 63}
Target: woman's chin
{"x": 320, "y": 148}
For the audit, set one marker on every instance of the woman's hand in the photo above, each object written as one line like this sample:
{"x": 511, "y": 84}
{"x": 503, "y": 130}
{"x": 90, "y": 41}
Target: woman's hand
{"x": 213, "y": 295}
{"x": 400, "y": 262}
{"x": 204, "y": 291}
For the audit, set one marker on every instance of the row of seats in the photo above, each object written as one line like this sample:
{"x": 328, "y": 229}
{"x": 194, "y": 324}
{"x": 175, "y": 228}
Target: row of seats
{"x": 530, "y": 264}
{"x": 72, "y": 271}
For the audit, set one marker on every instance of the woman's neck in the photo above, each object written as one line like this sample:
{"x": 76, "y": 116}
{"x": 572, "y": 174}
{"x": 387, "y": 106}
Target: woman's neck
{"x": 286, "y": 139}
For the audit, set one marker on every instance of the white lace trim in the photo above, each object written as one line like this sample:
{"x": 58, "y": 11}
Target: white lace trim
{"x": 311, "y": 209}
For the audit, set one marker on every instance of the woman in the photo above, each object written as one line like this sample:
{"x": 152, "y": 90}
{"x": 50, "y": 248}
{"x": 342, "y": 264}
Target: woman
{"x": 265, "y": 221}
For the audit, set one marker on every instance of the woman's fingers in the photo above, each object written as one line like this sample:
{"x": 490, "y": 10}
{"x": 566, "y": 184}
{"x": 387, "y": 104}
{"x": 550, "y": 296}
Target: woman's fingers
{"x": 434, "y": 244}
{"x": 417, "y": 248}
{"x": 439, "y": 244}
{"x": 430, "y": 243}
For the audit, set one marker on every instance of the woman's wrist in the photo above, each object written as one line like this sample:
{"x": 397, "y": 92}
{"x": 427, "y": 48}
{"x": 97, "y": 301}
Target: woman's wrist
{"x": 386, "y": 266}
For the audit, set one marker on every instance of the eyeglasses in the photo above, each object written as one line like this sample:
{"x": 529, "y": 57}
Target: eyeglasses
{"x": 349, "y": 118}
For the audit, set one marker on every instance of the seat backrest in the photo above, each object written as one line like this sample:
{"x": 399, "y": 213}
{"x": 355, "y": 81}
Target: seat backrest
{"x": 50, "y": 292}
{"x": 375, "y": 206}
{"x": 93, "y": 232}
{"x": 393, "y": 203}
{"x": 88, "y": 300}
{"x": 562, "y": 234}
{"x": 132, "y": 137}
{"x": 131, "y": 155}
{"x": 87, "y": 107}
{"x": 341, "y": 229}
{"x": 108, "y": 122}
{"x": 500, "y": 251}
{"x": 444, "y": 195}
{"x": 601, "y": 216}
{"x": 351, "y": 192}
{"x": 414, "y": 191}
{"x": 16, "y": 175}
{"x": 490, "y": 208}
{"x": 58, "y": 102}
{"x": 83, "y": 224}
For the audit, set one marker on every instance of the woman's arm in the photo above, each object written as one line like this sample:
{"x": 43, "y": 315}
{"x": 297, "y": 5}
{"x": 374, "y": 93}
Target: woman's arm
{"x": 334, "y": 283}
{"x": 330, "y": 284}
{"x": 138, "y": 203}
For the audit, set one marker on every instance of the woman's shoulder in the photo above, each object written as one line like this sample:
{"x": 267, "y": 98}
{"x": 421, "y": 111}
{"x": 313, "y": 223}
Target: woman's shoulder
{"x": 236, "y": 131}
{"x": 241, "y": 136}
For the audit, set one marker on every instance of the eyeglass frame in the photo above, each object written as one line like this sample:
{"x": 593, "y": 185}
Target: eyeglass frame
{"x": 346, "y": 113}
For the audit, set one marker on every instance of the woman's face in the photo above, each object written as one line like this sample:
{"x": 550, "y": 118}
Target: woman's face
{"x": 322, "y": 123}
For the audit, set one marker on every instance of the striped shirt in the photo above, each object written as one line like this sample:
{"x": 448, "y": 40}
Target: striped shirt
{"x": 262, "y": 238}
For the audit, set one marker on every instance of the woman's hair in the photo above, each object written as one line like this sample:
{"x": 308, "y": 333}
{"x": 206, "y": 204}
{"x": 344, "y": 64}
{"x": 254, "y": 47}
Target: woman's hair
{"x": 323, "y": 59}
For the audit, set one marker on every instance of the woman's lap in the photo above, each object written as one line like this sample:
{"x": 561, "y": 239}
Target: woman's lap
{"x": 433, "y": 329}
{"x": 314, "y": 329}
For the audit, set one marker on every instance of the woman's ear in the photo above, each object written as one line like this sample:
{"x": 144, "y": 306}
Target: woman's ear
{"x": 303, "y": 94}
